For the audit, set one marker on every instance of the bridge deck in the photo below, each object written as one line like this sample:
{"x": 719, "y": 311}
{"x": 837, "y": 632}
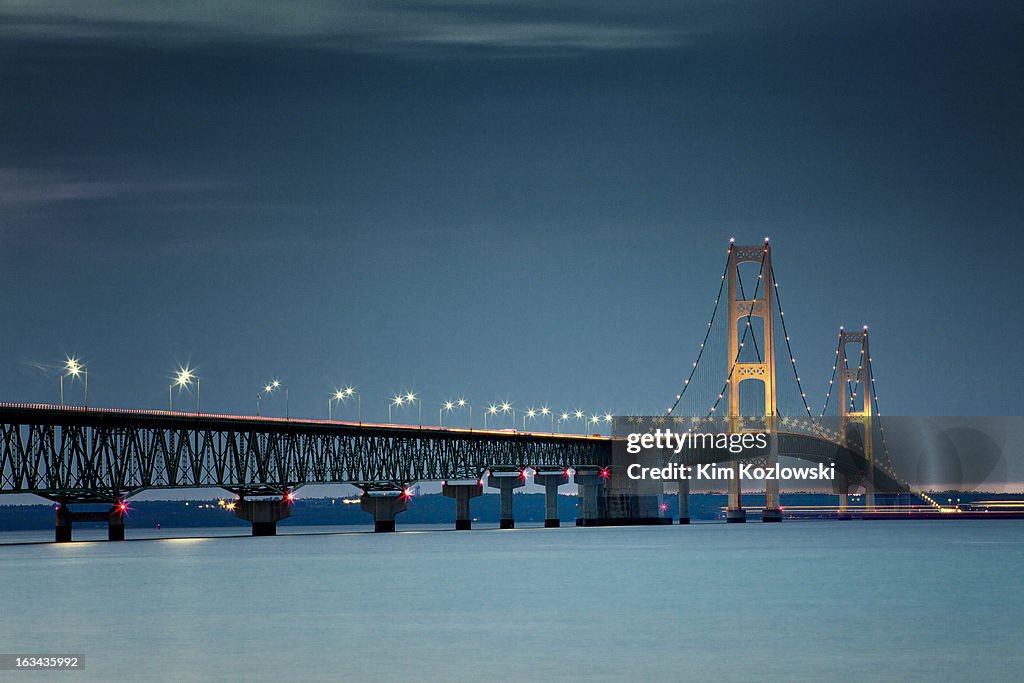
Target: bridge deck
{"x": 71, "y": 453}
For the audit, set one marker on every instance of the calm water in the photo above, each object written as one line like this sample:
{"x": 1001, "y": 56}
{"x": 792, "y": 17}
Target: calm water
{"x": 813, "y": 601}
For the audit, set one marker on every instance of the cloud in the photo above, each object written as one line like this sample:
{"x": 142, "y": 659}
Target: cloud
{"x": 439, "y": 27}
{"x": 20, "y": 187}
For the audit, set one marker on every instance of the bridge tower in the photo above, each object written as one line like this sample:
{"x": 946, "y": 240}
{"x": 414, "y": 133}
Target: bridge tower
{"x": 849, "y": 414}
{"x": 741, "y": 311}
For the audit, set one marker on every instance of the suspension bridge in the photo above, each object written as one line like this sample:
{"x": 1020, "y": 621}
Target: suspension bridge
{"x": 75, "y": 456}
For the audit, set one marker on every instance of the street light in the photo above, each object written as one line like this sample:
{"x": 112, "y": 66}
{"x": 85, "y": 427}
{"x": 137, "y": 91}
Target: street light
{"x": 582, "y": 417}
{"x": 349, "y": 392}
{"x": 183, "y": 380}
{"x": 270, "y": 388}
{"x": 530, "y": 413}
{"x": 410, "y": 397}
{"x": 544, "y": 410}
{"x": 338, "y": 395}
{"x": 491, "y": 410}
{"x": 506, "y": 408}
{"x": 397, "y": 401}
{"x": 73, "y": 368}
{"x": 564, "y": 417}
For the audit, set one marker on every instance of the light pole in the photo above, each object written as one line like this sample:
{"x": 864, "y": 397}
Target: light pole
{"x": 544, "y": 410}
{"x": 342, "y": 395}
{"x": 564, "y": 417}
{"x": 259, "y": 397}
{"x": 270, "y": 388}
{"x": 449, "y": 406}
{"x": 582, "y": 417}
{"x": 350, "y": 391}
{"x": 397, "y": 402}
{"x": 608, "y": 417}
{"x": 183, "y": 380}
{"x": 410, "y": 397}
{"x": 491, "y": 410}
{"x": 530, "y": 413}
{"x": 338, "y": 395}
{"x": 506, "y": 408}
{"x": 73, "y": 368}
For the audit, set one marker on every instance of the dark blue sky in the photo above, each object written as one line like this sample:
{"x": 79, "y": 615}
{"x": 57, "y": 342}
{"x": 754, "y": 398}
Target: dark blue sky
{"x": 521, "y": 200}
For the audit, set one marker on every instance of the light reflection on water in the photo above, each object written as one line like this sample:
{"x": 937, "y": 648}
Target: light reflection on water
{"x": 900, "y": 600}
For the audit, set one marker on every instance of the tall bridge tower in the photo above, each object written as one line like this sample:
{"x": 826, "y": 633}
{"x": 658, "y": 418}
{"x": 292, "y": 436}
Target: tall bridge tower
{"x": 854, "y": 381}
{"x": 741, "y": 312}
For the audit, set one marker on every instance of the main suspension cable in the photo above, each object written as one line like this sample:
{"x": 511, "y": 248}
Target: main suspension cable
{"x": 703, "y": 344}
{"x": 831, "y": 382}
{"x": 792, "y": 360}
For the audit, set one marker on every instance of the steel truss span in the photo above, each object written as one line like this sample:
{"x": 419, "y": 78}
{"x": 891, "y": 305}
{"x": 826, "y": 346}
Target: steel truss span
{"x": 75, "y": 455}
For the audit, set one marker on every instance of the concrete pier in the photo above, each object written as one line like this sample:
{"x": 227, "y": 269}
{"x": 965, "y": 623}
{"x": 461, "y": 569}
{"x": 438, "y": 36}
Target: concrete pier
{"x": 734, "y": 512}
{"x": 115, "y": 522}
{"x": 842, "y": 486}
{"x": 506, "y": 481}
{"x": 592, "y": 484}
{"x": 384, "y": 505}
{"x": 64, "y": 523}
{"x": 65, "y": 520}
{"x": 551, "y": 480}
{"x": 684, "y": 500}
{"x": 772, "y": 508}
{"x": 869, "y": 492}
{"x": 263, "y": 514}
{"x": 462, "y": 491}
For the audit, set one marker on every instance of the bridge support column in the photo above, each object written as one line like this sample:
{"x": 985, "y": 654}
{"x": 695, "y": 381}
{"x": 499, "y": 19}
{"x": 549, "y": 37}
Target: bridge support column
{"x": 684, "y": 501}
{"x": 734, "y": 512}
{"x": 462, "y": 492}
{"x": 591, "y": 483}
{"x": 506, "y": 482}
{"x": 384, "y": 505}
{"x": 551, "y": 480}
{"x": 843, "y": 486}
{"x": 115, "y": 523}
{"x": 869, "y": 489}
{"x": 772, "y": 508}
{"x": 114, "y": 518}
{"x": 64, "y": 524}
{"x": 263, "y": 514}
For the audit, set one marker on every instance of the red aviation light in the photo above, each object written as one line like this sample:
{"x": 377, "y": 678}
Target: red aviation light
{"x": 605, "y": 473}
{"x": 289, "y": 497}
